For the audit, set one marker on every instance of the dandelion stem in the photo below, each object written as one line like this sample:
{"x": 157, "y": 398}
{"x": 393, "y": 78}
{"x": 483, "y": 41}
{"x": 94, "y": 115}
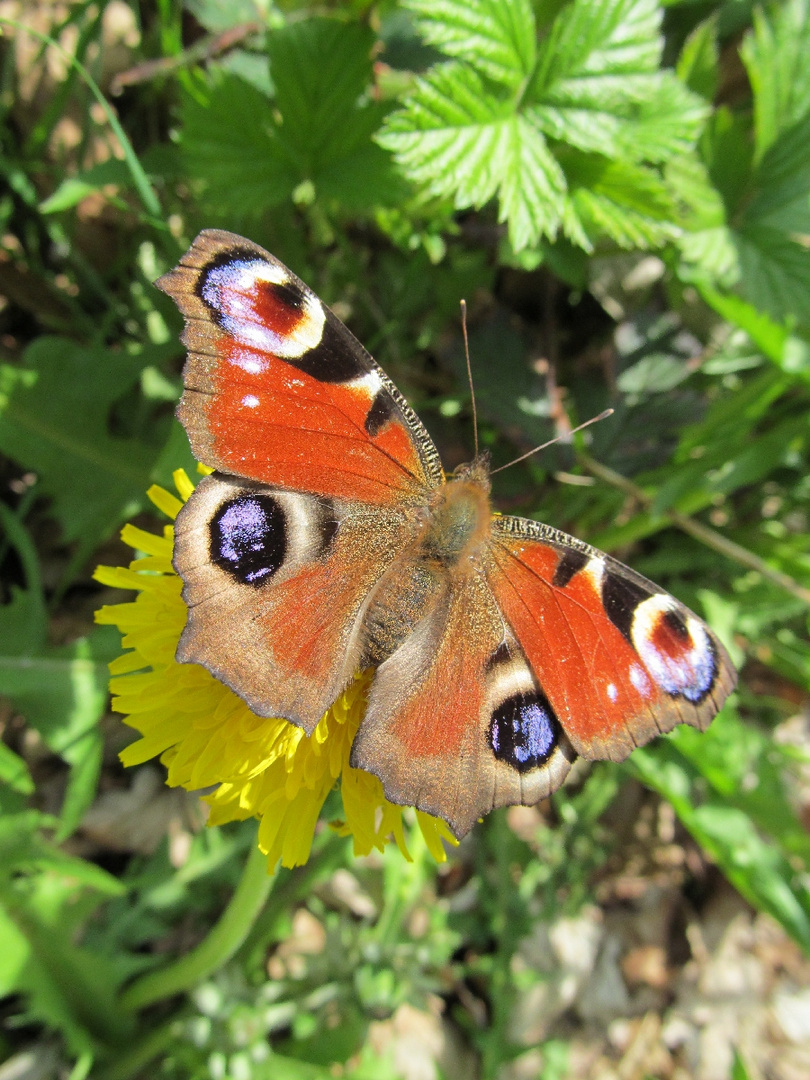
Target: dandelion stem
{"x": 218, "y": 947}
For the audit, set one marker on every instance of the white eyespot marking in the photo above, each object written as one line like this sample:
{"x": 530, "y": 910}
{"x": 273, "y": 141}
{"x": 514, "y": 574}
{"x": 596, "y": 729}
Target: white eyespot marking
{"x": 250, "y": 401}
{"x": 509, "y": 679}
{"x": 612, "y": 692}
{"x": 247, "y": 360}
{"x": 370, "y": 382}
{"x": 674, "y": 647}
{"x": 282, "y": 321}
{"x": 638, "y": 677}
{"x": 595, "y": 569}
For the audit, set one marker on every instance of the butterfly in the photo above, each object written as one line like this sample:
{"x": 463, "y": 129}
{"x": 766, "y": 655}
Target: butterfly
{"x": 329, "y": 540}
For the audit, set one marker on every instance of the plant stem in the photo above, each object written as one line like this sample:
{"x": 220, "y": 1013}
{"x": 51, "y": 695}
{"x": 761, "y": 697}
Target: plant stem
{"x": 219, "y": 946}
{"x": 699, "y": 531}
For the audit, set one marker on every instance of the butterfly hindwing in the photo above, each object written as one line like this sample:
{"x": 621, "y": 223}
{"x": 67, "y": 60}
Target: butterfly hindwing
{"x": 456, "y": 723}
{"x": 276, "y": 584}
{"x": 277, "y": 389}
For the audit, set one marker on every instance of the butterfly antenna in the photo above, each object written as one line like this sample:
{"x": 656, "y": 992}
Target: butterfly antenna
{"x": 560, "y": 438}
{"x": 469, "y": 373}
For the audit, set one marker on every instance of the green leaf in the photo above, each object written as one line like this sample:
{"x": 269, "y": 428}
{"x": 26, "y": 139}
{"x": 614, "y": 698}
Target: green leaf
{"x": 753, "y": 864}
{"x": 781, "y": 196}
{"x": 790, "y": 352}
{"x": 230, "y": 148}
{"x": 697, "y": 65}
{"x": 774, "y": 271}
{"x": 62, "y": 693}
{"x": 75, "y": 188}
{"x": 726, "y": 150}
{"x": 598, "y": 87}
{"x": 762, "y": 248}
{"x": 250, "y": 153}
{"x": 322, "y": 70}
{"x": 45, "y": 897}
{"x": 596, "y": 48}
{"x": 654, "y": 374}
{"x": 55, "y": 412}
{"x": 456, "y": 140}
{"x": 497, "y": 39}
{"x": 24, "y": 621}
{"x": 14, "y": 771}
{"x": 738, "y": 1069}
{"x": 627, "y": 202}
{"x": 775, "y": 55}
{"x": 471, "y": 131}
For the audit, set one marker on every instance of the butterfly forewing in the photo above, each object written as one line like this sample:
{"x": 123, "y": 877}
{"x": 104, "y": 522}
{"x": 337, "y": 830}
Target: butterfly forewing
{"x": 278, "y": 390}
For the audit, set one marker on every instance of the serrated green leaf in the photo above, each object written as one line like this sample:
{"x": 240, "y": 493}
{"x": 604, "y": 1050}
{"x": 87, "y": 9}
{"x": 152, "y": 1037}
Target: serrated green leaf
{"x": 774, "y": 271}
{"x": 596, "y": 47}
{"x": 466, "y": 134}
{"x": 458, "y": 141}
{"x": 697, "y": 65}
{"x": 250, "y": 153}
{"x": 597, "y": 85}
{"x": 762, "y": 249}
{"x": 497, "y": 39}
{"x": 726, "y": 150}
{"x": 775, "y": 55}
{"x": 230, "y": 149}
{"x": 666, "y": 124}
{"x": 781, "y": 198}
{"x": 688, "y": 182}
{"x": 320, "y": 68}
{"x": 710, "y": 252}
{"x": 529, "y": 186}
{"x": 55, "y": 413}
{"x": 626, "y": 202}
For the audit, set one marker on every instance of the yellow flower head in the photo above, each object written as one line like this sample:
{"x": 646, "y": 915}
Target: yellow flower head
{"x": 208, "y": 737}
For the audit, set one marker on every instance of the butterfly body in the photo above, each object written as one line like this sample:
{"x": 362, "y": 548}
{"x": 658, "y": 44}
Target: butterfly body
{"x": 329, "y": 540}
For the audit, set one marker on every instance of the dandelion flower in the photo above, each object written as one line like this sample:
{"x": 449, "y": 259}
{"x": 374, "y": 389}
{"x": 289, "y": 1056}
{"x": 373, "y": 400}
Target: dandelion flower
{"x": 207, "y": 736}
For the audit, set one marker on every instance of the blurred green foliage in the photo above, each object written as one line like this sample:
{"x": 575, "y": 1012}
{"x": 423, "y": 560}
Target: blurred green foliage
{"x": 622, "y": 190}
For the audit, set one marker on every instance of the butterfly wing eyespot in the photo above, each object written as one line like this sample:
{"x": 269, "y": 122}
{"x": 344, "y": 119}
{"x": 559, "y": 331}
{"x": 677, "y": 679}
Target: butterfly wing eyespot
{"x": 279, "y": 391}
{"x": 328, "y": 541}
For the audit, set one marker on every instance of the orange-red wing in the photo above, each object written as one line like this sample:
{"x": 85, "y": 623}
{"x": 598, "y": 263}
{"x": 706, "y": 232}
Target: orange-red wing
{"x": 619, "y": 660}
{"x": 278, "y": 390}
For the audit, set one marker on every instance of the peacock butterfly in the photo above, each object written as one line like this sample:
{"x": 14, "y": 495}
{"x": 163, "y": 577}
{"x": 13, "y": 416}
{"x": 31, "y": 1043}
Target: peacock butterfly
{"x": 329, "y": 540}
